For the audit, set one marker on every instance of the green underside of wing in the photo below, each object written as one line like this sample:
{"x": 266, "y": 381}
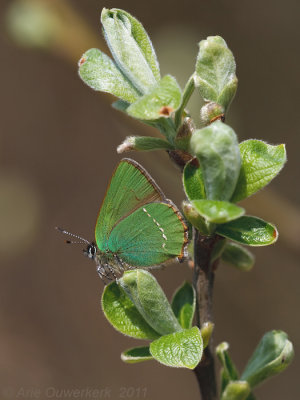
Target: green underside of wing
{"x": 149, "y": 236}
{"x": 130, "y": 188}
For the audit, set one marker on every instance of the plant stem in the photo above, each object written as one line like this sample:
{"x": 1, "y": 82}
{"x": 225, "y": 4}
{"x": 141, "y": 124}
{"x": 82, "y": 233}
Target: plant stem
{"x": 203, "y": 283}
{"x": 188, "y": 91}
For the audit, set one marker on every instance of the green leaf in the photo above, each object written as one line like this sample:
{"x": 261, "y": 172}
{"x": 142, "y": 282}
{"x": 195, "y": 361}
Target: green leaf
{"x": 183, "y": 304}
{"x": 187, "y": 92}
{"x": 150, "y": 300}
{"x": 181, "y": 349}
{"x": 224, "y": 379}
{"x": 142, "y": 39}
{"x": 206, "y": 332}
{"x": 193, "y": 182}
{"x": 215, "y": 71}
{"x": 160, "y": 102}
{"x": 136, "y": 355}
{"x": 229, "y": 372}
{"x": 236, "y": 390}
{"x": 131, "y": 48}
{"x": 121, "y": 105}
{"x": 218, "y": 212}
{"x": 99, "y": 72}
{"x": 192, "y": 215}
{"x": 218, "y": 151}
{"x": 248, "y": 230}
{"x": 261, "y": 162}
{"x": 272, "y": 355}
{"x": 123, "y": 315}
{"x": 143, "y": 143}
{"x": 238, "y": 256}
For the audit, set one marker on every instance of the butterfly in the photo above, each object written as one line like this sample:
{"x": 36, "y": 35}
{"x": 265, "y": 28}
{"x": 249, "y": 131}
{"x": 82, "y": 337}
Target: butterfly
{"x": 137, "y": 226}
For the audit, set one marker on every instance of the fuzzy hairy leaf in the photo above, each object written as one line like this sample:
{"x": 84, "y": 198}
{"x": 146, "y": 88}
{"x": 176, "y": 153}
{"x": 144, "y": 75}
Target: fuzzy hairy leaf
{"x": 99, "y": 72}
{"x": 272, "y": 355}
{"x": 160, "y": 102}
{"x": 123, "y": 315}
{"x": 217, "y": 149}
{"x": 150, "y": 300}
{"x": 180, "y": 349}
{"x": 261, "y": 162}
{"x": 131, "y": 48}
{"x": 143, "y": 143}
{"x": 142, "y": 39}
{"x": 215, "y": 71}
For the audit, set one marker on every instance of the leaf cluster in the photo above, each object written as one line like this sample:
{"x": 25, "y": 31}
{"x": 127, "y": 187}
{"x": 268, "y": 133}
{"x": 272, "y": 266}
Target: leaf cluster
{"x": 137, "y": 307}
{"x": 217, "y": 173}
{"x": 272, "y": 356}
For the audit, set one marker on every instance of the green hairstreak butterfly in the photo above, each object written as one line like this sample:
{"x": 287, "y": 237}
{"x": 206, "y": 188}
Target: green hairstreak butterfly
{"x": 137, "y": 227}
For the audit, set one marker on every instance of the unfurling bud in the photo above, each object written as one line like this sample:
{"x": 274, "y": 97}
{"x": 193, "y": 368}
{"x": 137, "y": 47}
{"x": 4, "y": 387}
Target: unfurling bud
{"x": 215, "y": 71}
{"x": 206, "y": 332}
{"x": 143, "y": 143}
{"x": 195, "y": 218}
{"x": 131, "y": 48}
{"x": 211, "y": 111}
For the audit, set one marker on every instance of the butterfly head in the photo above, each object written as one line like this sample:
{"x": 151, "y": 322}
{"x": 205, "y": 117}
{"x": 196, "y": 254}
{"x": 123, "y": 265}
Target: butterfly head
{"x": 90, "y": 251}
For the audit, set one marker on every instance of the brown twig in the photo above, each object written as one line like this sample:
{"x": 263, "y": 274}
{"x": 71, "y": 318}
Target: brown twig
{"x": 203, "y": 283}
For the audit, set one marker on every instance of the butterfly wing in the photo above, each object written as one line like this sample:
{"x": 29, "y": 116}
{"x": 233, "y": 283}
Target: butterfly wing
{"x": 130, "y": 188}
{"x": 151, "y": 235}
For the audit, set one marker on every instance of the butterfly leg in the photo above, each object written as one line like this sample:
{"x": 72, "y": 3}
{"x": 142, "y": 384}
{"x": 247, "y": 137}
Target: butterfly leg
{"x": 122, "y": 266}
{"x": 112, "y": 271}
{"x": 102, "y": 274}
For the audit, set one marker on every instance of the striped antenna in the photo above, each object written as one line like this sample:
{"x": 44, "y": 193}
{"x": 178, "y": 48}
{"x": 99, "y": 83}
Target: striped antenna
{"x": 63, "y": 231}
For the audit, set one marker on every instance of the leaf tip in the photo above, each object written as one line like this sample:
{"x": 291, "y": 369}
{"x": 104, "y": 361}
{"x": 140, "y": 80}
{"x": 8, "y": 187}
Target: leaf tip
{"x": 104, "y": 12}
{"x": 166, "y": 111}
{"x": 126, "y": 146}
{"x": 82, "y": 61}
{"x": 275, "y": 234}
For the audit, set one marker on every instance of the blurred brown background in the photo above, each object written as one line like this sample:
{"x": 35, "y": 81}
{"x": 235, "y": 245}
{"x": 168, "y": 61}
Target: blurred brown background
{"x": 57, "y": 152}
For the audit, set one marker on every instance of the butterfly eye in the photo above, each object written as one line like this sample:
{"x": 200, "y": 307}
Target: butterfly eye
{"x": 90, "y": 251}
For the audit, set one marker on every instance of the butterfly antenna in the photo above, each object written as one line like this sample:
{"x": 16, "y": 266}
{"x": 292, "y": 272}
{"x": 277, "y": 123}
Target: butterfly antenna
{"x": 63, "y": 231}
